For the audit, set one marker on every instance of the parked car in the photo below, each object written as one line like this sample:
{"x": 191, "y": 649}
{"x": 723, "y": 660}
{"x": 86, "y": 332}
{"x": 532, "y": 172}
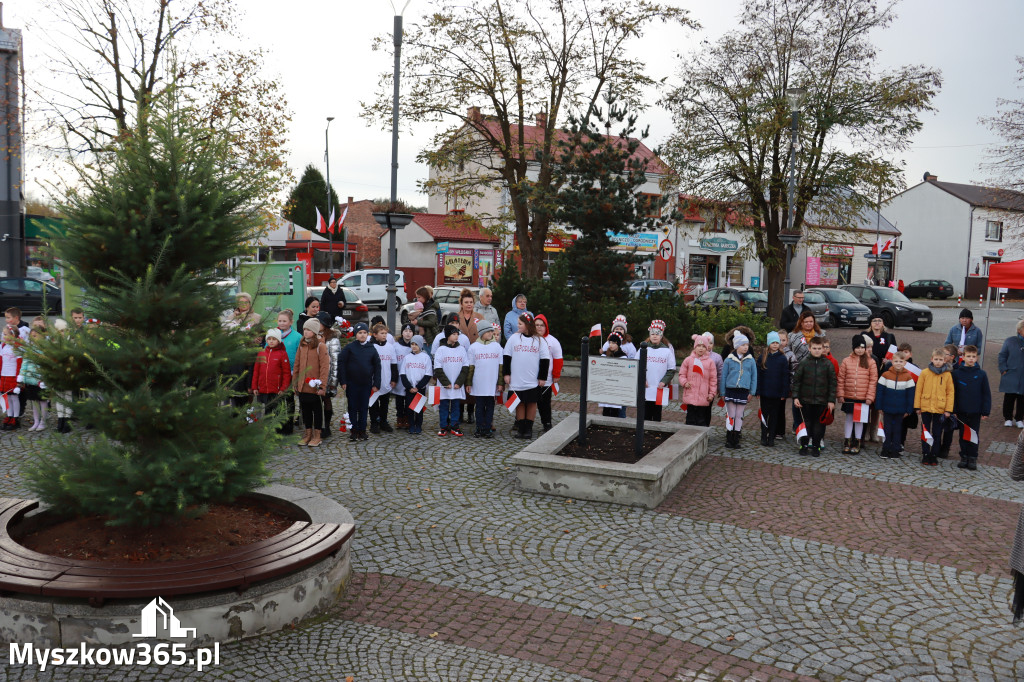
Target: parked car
{"x": 896, "y": 309}
{"x": 735, "y": 298}
{"x": 928, "y": 288}
{"x": 644, "y": 288}
{"x": 230, "y": 286}
{"x": 817, "y": 304}
{"x": 841, "y": 308}
{"x": 371, "y": 286}
{"x": 32, "y": 296}
{"x": 36, "y": 272}
{"x": 447, "y": 298}
{"x": 355, "y": 310}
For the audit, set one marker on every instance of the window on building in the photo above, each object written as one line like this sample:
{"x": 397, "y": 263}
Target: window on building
{"x": 994, "y": 231}
{"x": 648, "y": 205}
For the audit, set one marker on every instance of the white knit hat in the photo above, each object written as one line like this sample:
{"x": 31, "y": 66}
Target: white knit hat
{"x": 619, "y": 321}
{"x": 274, "y": 333}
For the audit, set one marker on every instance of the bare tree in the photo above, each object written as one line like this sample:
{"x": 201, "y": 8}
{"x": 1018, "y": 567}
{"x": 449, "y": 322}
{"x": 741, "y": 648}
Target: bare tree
{"x": 732, "y": 141}
{"x": 514, "y": 59}
{"x": 1005, "y": 163}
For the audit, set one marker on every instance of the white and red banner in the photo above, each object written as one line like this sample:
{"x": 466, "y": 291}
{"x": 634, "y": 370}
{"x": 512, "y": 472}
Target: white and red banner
{"x": 882, "y": 247}
{"x": 801, "y": 431}
{"x": 914, "y": 370}
{"x": 513, "y": 402}
{"x": 729, "y": 423}
{"x": 554, "y": 389}
{"x": 341, "y": 221}
{"x": 434, "y": 395}
{"x": 417, "y": 403}
{"x": 595, "y": 331}
{"x": 321, "y": 224}
{"x": 861, "y": 412}
{"x": 760, "y": 415}
{"x": 721, "y": 402}
{"x": 970, "y": 435}
{"x": 881, "y": 432}
{"x": 891, "y": 351}
{"x": 926, "y": 436}
{"x": 698, "y": 369}
{"x": 373, "y": 397}
{"x": 330, "y": 223}
{"x": 661, "y": 396}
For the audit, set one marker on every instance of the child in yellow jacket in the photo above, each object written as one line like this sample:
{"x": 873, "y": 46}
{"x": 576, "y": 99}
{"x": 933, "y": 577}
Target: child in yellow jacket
{"x": 933, "y": 400}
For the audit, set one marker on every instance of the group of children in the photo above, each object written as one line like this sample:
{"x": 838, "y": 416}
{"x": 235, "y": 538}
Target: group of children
{"x": 951, "y": 393}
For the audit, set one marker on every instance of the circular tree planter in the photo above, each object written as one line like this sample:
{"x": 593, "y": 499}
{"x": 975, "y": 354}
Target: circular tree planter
{"x": 251, "y": 590}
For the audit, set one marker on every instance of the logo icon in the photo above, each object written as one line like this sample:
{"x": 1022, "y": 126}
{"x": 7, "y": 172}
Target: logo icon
{"x": 157, "y": 609}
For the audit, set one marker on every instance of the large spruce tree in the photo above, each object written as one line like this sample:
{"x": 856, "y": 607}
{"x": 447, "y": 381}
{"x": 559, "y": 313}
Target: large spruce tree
{"x": 145, "y": 230}
{"x": 307, "y": 196}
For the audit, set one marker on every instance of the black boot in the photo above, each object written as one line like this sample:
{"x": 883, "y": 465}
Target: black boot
{"x": 528, "y": 430}
{"x": 972, "y": 464}
{"x": 736, "y": 439}
{"x": 469, "y": 414}
{"x": 854, "y": 446}
{"x": 764, "y": 436}
{"x": 517, "y": 428}
{"x": 728, "y": 439}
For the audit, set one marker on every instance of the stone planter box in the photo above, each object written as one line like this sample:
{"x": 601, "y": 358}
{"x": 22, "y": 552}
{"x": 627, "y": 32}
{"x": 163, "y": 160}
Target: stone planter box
{"x": 218, "y": 615}
{"x": 540, "y": 469}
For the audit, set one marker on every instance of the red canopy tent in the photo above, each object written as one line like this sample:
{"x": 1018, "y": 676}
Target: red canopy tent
{"x": 1001, "y": 275}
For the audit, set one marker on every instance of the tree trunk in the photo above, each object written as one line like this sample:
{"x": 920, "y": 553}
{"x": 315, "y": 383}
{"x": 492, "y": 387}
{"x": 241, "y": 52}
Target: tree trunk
{"x": 532, "y": 254}
{"x": 776, "y": 278}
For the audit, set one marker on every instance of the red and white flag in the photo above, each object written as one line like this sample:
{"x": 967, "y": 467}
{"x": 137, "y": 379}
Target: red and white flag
{"x": 891, "y": 352}
{"x": 881, "y": 247}
{"x": 330, "y": 223}
{"x": 321, "y": 225}
{"x": 661, "y": 396}
{"x": 914, "y": 370}
{"x": 434, "y": 395}
{"x": 595, "y": 331}
{"x": 698, "y": 369}
{"x": 3, "y": 404}
{"x": 721, "y": 401}
{"x": 801, "y": 431}
{"x": 373, "y": 397}
{"x": 881, "y": 431}
{"x": 861, "y": 412}
{"x": 926, "y": 436}
{"x": 683, "y": 407}
{"x": 554, "y": 389}
{"x": 513, "y": 402}
{"x": 970, "y": 434}
{"x": 341, "y": 220}
{"x": 760, "y": 415}
{"x": 417, "y": 403}
{"x": 729, "y": 423}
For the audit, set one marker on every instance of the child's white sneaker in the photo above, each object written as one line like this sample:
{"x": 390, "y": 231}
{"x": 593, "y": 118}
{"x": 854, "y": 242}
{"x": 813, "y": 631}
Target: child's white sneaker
{"x": 1020, "y": 425}
{"x": 1008, "y": 422}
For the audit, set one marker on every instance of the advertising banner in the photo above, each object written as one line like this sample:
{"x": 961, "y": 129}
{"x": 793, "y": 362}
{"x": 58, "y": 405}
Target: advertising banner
{"x": 813, "y": 277}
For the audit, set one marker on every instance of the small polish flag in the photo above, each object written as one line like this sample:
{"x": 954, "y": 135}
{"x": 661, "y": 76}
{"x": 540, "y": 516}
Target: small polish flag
{"x": 721, "y": 402}
{"x": 914, "y": 370}
{"x": 661, "y": 396}
{"x": 970, "y": 434}
{"x": 673, "y": 391}
{"x": 330, "y": 223}
{"x": 434, "y": 395}
{"x": 861, "y": 412}
{"x": 595, "y": 331}
{"x": 729, "y": 423}
{"x": 926, "y": 436}
{"x": 891, "y": 352}
{"x": 513, "y": 402}
{"x": 881, "y": 432}
{"x": 3, "y": 403}
{"x": 417, "y": 403}
{"x": 373, "y": 397}
{"x": 684, "y": 407}
{"x": 554, "y": 389}
{"x": 801, "y": 431}
{"x": 760, "y": 415}
{"x": 697, "y": 369}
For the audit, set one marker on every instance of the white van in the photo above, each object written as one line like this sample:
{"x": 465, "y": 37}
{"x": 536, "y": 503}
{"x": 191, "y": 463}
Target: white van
{"x": 370, "y": 286}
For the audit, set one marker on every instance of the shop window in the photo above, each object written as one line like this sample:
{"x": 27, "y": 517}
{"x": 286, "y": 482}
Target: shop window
{"x": 322, "y": 261}
{"x": 994, "y": 231}
{"x": 734, "y": 273}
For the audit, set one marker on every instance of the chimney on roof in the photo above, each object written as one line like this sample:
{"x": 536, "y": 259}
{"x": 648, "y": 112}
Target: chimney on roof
{"x": 474, "y": 114}
{"x": 457, "y": 211}
{"x": 928, "y": 177}
{"x": 542, "y": 119}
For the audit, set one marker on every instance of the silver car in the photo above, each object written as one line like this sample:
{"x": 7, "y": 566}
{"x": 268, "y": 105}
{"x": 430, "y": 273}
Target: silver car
{"x": 447, "y": 298}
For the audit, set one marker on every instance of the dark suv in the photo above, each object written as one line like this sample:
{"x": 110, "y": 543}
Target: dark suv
{"x": 929, "y": 288}
{"x": 733, "y": 298}
{"x": 896, "y": 309}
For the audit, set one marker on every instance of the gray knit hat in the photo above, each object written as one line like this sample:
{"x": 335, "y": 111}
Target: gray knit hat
{"x": 312, "y": 324}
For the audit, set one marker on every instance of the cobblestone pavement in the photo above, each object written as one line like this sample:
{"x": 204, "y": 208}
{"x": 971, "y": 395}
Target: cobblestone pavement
{"x": 761, "y": 565}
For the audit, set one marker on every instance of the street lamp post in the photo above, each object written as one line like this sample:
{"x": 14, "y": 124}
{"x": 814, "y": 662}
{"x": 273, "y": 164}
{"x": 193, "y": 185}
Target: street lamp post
{"x": 391, "y": 289}
{"x": 327, "y": 160}
{"x": 795, "y": 97}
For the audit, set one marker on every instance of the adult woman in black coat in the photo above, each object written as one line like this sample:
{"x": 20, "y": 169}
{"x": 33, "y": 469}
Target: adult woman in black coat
{"x": 332, "y": 301}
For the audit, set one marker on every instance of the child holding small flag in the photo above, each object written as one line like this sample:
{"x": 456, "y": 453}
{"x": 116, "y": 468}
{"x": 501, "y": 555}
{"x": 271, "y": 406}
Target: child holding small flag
{"x": 359, "y": 376}
{"x": 661, "y": 368}
{"x": 415, "y": 371}
{"x": 737, "y": 384}
{"x": 554, "y": 370}
{"x": 309, "y": 380}
{"x": 699, "y": 380}
{"x": 773, "y": 385}
{"x": 933, "y": 400}
{"x": 814, "y": 392}
{"x": 895, "y": 401}
{"x": 451, "y": 366}
{"x": 484, "y": 378}
{"x": 385, "y": 348}
{"x": 972, "y": 402}
{"x": 403, "y": 346}
{"x": 952, "y": 358}
{"x": 858, "y": 376}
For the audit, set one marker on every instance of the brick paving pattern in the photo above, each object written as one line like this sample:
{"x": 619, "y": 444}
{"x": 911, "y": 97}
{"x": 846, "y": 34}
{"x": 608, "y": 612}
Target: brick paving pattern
{"x": 761, "y": 565}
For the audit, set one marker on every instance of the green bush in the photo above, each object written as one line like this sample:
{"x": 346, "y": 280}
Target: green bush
{"x": 720, "y": 320}
{"x": 571, "y": 314}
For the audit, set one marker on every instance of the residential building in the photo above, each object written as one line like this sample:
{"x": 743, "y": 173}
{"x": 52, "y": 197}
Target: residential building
{"x": 955, "y": 231}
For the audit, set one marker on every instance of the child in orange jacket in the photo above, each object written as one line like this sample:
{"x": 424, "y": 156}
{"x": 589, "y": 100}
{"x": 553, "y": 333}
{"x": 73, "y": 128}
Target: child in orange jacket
{"x": 855, "y": 391}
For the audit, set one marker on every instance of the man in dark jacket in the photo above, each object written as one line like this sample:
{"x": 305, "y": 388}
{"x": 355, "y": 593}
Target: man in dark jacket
{"x": 814, "y": 392}
{"x": 359, "y": 376}
{"x": 791, "y": 313}
{"x": 972, "y": 402}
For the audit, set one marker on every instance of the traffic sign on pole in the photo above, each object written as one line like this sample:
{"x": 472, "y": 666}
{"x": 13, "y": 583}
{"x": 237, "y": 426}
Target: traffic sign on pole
{"x": 665, "y": 250}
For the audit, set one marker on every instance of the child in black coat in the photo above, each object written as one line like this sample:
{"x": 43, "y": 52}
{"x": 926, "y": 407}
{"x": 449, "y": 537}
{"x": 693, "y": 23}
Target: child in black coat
{"x": 773, "y": 385}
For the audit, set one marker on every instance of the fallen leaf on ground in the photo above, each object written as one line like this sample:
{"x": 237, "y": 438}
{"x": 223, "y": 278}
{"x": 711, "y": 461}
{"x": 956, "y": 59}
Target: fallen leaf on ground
{"x": 638, "y": 617}
{"x": 602, "y": 586}
{"x": 432, "y": 634}
{"x": 729, "y": 638}
{"x": 349, "y": 678}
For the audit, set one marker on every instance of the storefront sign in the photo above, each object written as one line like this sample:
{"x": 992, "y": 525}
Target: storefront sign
{"x": 881, "y": 256}
{"x": 485, "y": 267}
{"x": 552, "y": 243}
{"x": 442, "y": 247}
{"x": 836, "y": 250}
{"x": 612, "y": 381}
{"x": 829, "y": 273}
{"x": 719, "y": 244}
{"x": 456, "y": 266}
{"x": 645, "y": 241}
{"x": 813, "y": 277}
{"x": 755, "y": 282}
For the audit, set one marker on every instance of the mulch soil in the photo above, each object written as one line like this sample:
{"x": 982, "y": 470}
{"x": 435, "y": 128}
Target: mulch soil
{"x": 613, "y": 445}
{"x": 221, "y": 528}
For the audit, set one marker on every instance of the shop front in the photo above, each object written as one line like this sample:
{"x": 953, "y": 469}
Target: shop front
{"x": 712, "y": 261}
{"x": 833, "y": 268}
{"x": 466, "y": 267}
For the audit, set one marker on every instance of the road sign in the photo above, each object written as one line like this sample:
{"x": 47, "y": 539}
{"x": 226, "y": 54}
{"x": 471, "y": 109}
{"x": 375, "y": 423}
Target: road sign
{"x": 665, "y": 250}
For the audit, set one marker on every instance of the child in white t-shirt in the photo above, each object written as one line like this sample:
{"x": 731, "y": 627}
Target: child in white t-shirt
{"x": 484, "y": 379}
{"x": 451, "y": 366}
{"x": 661, "y": 368}
{"x": 384, "y": 344}
{"x": 415, "y": 372}
{"x": 525, "y": 367}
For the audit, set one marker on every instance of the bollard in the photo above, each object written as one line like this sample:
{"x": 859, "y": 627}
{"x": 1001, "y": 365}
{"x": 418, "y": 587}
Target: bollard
{"x": 1002, "y": 300}
{"x": 981, "y": 300}
{"x": 958, "y": 298}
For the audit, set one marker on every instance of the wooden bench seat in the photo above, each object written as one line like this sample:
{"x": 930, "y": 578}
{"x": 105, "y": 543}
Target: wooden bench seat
{"x": 27, "y": 572}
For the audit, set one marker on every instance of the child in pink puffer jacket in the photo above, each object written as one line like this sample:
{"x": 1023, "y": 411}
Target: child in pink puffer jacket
{"x": 699, "y": 379}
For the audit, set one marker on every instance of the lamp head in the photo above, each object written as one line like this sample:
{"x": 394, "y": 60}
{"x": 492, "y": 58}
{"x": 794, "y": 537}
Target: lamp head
{"x": 795, "y": 97}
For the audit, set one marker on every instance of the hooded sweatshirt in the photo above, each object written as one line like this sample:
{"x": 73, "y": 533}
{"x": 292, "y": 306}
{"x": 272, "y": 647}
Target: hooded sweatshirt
{"x": 485, "y": 360}
{"x": 511, "y": 325}
{"x": 555, "y": 350}
{"x": 935, "y": 391}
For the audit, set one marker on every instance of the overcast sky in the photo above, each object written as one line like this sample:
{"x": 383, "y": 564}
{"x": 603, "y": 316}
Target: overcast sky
{"x": 321, "y": 53}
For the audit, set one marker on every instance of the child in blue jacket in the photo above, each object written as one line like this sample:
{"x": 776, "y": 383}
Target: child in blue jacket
{"x": 773, "y": 383}
{"x": 894, "y": 399}
{"x": 737, "y": 384}
{"x": 972, "y": 402}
